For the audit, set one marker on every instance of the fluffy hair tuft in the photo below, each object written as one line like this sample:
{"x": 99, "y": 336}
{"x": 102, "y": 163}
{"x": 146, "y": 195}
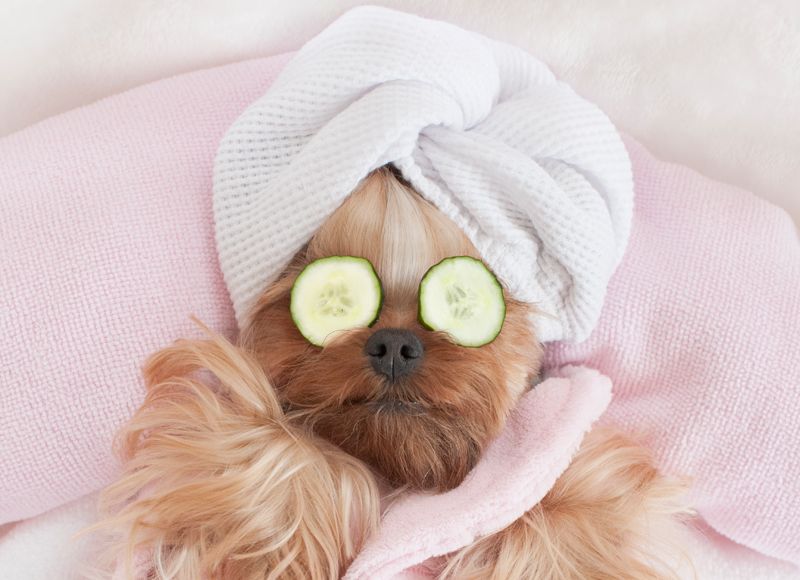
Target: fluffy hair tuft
{"x": 219, "y": 481}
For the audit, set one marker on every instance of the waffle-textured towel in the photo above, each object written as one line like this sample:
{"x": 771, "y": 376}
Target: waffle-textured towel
{"x": 537, "y": 177}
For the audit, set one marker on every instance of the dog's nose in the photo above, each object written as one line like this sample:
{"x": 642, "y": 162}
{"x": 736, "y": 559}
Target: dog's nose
{"x": 394, "y": 352}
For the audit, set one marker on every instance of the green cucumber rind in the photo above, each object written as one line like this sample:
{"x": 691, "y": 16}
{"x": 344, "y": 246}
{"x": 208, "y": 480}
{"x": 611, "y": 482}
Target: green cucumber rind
{"x": 421, "y": 292}
{"x": 379, "y": 286}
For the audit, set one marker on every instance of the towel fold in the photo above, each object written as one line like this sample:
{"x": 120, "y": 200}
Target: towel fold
{"x": 536, "y": 177}
{"x": 514, "y": 474}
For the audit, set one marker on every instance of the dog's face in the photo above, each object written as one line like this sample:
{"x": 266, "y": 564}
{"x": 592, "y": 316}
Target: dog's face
{"x": 427, "y": 427}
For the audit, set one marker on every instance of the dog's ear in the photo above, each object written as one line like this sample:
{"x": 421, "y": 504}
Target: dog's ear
{"x": 218, "y": 482}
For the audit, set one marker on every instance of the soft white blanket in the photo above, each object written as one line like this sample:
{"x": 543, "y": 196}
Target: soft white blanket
{"x": 712, "y": 85}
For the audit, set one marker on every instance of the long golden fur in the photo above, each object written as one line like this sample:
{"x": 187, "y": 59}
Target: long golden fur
{"x": 220, "y": 483}
{"x": 265, "y": 459}
{"x": 610, "y": 516}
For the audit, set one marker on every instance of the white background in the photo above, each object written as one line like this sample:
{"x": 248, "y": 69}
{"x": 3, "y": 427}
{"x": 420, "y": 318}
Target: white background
{"x": 712, "y": 84}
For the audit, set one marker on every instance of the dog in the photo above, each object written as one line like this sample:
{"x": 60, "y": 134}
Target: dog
{"x": 273, "y": 458}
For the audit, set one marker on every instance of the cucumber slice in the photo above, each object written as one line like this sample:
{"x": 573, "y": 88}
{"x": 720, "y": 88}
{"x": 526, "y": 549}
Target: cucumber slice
{"x": 461, "y": 296}
{"x": 334, "y": 294}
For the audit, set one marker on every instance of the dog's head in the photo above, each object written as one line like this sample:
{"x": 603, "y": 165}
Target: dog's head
{"x": 427, "y": 427}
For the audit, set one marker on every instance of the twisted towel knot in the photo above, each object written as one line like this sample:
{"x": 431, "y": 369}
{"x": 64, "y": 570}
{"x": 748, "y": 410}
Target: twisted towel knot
{"x": 537, "y": 178}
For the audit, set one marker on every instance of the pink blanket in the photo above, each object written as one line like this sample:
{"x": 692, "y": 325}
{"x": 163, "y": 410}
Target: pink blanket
{"x": 701, "y": 334}
{"x": 107, "y": 246}
{"x": 107, "y": 243}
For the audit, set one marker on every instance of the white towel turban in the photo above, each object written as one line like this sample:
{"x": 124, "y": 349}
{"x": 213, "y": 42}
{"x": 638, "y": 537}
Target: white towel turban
{"x": 537, "y": 177}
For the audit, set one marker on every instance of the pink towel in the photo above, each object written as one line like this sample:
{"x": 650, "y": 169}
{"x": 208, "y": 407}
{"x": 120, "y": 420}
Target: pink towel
{"x": 700, "y": 333}
{"x": 516, "y": 472}
{"x": 107, "y": 246}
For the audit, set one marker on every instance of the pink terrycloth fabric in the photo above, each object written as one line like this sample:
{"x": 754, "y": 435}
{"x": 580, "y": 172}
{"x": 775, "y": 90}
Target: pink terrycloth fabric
{"x": 107, "y": 246}
{"x": 514, "y": 474}
{"x": 700, "y": 333}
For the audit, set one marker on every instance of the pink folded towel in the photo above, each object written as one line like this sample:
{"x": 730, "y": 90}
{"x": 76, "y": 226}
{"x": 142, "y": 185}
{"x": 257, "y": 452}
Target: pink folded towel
{"x": 701, "y": 335}
{"x": 516, "y": 472}
{"x": 107, "y": 246}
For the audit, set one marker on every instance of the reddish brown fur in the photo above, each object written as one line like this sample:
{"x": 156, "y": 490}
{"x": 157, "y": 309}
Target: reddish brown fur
{"x": 220, "y": 483}
{"x": 460, "y": 396}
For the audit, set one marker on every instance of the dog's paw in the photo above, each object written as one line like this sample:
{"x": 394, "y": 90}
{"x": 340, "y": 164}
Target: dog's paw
{"x": 611, "y": 515}
{"x": 218, "y": 483}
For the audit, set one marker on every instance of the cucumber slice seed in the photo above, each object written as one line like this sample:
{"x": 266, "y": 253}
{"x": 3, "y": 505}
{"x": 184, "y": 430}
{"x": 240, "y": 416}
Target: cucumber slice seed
{"x": 335, "y": 294}
{"x": 461, "y": 296}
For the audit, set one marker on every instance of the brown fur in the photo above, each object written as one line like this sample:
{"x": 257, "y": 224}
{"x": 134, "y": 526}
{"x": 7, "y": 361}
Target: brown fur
{"x": 463, "y": 395}
{"x": 610, "y": 516}
{"x": 220, "y": 482}
{"x": 231, "y": 473}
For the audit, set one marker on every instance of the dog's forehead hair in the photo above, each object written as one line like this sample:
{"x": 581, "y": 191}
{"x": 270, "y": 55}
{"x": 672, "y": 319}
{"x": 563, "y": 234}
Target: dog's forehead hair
{"x": 388, "y": 223}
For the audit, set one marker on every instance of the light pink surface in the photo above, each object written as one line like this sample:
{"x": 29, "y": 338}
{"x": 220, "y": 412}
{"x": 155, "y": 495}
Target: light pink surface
{"x": 107, "y": 245}
{"x": 542, "y": 434}
{"x": 700, "y": 334}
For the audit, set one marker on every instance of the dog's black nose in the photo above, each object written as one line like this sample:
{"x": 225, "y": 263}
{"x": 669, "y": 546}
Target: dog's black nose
{"x": 394, "y": 352}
